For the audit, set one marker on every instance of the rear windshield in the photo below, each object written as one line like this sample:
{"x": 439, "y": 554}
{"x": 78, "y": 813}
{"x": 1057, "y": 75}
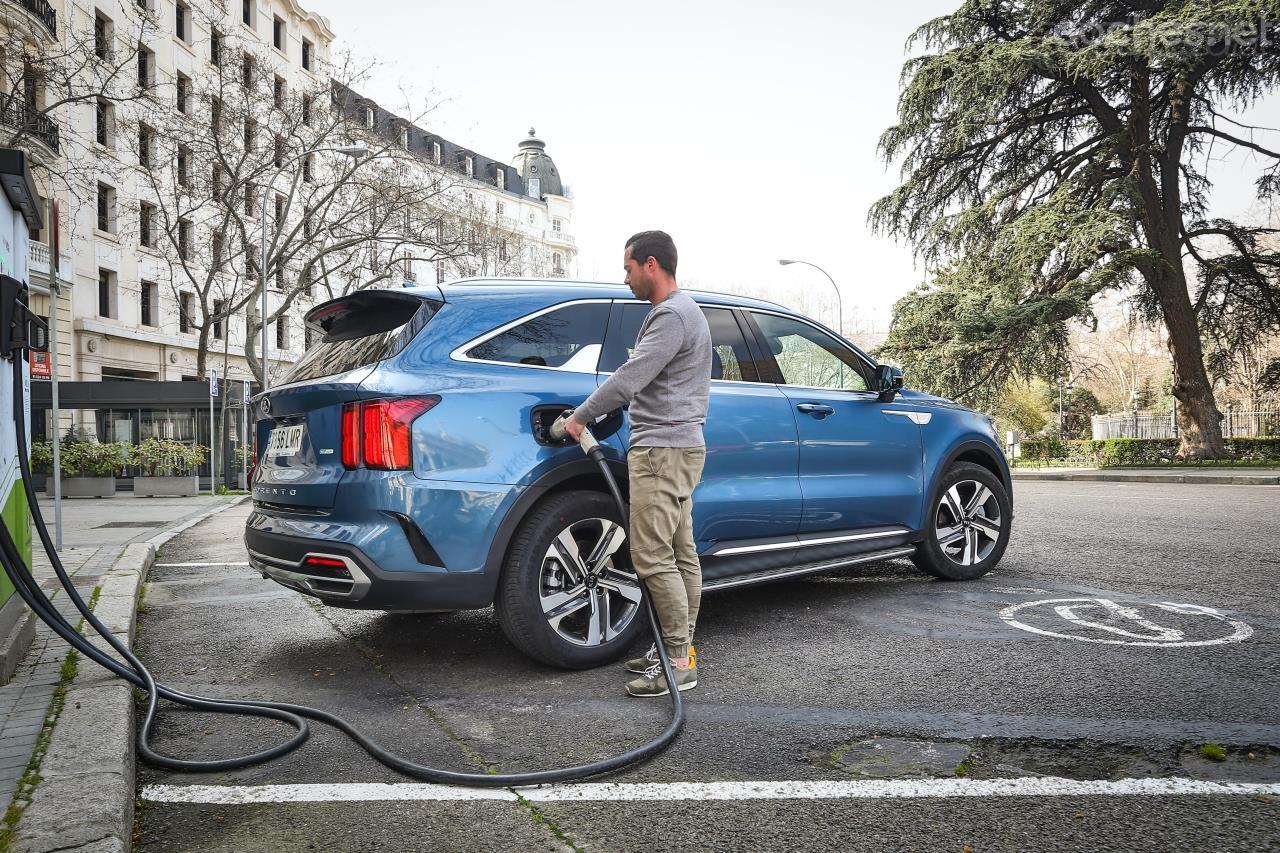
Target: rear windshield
{"x": 361, "y": 329}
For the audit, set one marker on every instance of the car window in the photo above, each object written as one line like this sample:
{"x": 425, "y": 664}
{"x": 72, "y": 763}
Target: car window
{"x": 730, "y": 359}
{"x": 809, "y": 357}
{"x": 570, "y": 338}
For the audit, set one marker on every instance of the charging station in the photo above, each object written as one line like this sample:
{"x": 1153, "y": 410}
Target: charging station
{"x": 19, "y": 211}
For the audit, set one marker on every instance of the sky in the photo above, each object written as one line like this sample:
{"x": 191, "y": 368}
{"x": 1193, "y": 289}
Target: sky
{"x": 745, "y": 129}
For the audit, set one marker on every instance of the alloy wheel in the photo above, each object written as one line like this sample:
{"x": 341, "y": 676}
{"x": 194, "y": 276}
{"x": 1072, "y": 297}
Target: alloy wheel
{"x": 587, "y": 588}
{"x": 968, "y": 522}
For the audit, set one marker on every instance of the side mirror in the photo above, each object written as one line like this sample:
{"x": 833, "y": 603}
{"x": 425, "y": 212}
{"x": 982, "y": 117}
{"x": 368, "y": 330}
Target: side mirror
{"x": 888, "y": 382}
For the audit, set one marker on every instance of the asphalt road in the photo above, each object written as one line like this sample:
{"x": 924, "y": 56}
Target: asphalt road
{"x": 874, "y": 674}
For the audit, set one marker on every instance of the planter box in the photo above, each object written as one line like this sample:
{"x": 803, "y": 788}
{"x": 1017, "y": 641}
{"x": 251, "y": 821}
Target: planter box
{"x": 182, "y": 487}
{"x": 86, "y": 487}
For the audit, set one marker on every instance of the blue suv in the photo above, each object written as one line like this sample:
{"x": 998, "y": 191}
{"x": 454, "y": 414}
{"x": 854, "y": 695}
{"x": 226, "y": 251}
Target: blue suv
{"x": 406, "y": 464}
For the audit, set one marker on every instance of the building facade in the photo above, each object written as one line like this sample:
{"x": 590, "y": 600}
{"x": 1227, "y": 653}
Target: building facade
{"x": 124, "y": 310}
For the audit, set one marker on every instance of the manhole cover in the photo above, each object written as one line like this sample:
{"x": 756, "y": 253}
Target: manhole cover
{"x": 129, "y": 524}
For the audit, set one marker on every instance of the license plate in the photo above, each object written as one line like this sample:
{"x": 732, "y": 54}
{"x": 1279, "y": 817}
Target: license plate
{"x": 285, "y": 441}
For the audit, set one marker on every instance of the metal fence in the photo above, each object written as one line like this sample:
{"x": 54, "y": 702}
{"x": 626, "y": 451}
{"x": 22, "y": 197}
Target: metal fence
{"x": 1162, "y": 425}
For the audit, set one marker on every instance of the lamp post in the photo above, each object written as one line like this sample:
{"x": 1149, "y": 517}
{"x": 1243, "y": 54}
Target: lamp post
{"x": 839, "y": 303}
{"x": 354, "y": 151}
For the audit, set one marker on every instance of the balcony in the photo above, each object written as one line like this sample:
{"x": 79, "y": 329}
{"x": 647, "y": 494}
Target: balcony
{"x": 560, "y": 237}
{"x": 16, "y": 113}
{"x": 38, "y": 256}
{"x": 42, "y": 12}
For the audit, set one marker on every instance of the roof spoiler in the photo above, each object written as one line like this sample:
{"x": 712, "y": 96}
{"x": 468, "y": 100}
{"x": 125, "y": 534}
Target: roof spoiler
{"x": 368, "y": 312}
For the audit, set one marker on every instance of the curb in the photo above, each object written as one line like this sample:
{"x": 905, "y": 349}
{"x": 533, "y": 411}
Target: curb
{"x": 1122, "y": 477}
{"x": 84, "y": 801}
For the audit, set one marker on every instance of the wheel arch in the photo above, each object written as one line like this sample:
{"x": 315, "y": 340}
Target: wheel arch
{"x": 978, "y": 453}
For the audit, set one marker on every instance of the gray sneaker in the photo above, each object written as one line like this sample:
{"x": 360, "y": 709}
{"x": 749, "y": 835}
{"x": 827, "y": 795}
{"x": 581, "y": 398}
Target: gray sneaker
{"x": 654, "y": 682}
{"x": 649, "y": 659}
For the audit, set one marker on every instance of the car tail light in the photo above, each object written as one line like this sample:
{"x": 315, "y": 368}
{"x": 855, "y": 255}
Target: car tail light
{"x": 351, "y": 435}
{"x": 380, "y": 432}
{"x": 387, "y": 431}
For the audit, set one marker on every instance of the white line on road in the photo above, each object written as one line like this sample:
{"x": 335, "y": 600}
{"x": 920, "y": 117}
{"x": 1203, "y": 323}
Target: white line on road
{"x": 614, "y": 791}
{"x": 186, "y": 565}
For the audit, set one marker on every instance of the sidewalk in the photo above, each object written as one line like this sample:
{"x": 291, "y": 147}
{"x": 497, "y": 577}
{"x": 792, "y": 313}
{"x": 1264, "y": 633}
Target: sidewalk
{"x": 1189, "y": 474}
{"x": 96, "y": 533}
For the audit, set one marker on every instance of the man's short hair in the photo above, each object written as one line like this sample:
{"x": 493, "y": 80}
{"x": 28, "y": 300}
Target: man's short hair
{"x": 654, "y": 244}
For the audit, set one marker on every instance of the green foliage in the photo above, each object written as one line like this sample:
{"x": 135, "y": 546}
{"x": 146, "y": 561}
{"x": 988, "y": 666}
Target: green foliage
{"x": 42, "y": 457}
{"x": 1053, "y": 152}
{"x": 90, "y": 459}
{"x": 1213, "y": 752}
{"x": 158, "y": 457}
{"x": 1022, "y": 407}
{"x": 1120, "y": 452}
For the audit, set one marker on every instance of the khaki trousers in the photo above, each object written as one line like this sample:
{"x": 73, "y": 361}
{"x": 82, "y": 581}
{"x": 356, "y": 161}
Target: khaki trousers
{"x": 662, "y": 481}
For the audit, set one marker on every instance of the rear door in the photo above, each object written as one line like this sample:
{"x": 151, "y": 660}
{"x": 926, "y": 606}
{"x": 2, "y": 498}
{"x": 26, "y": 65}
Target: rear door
{"x": 299, "y": 424}
{"x": 749, "y": 488}
{"x": 860, "y": 459}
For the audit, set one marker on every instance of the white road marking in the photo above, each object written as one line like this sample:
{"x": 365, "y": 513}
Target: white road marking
{"x": 1164, "y": 637}
{"x": 705, "y": 791}
{"x": 187, "y": 565}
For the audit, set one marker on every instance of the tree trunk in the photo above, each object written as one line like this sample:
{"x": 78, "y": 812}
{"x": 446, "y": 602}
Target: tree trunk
{"x": 1199, "y": 424}
{"x": 202, "y": 352}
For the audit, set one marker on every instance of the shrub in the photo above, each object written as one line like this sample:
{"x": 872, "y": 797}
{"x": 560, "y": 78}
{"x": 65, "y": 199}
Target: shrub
{"x": 159, "y": 457}
{"x": 42, "y": 457}
{"x": 90, "y": 459}
{"x": 1118, "y": 452}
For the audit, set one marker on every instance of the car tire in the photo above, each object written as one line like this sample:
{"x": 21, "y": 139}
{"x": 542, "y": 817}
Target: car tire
{"x": 966, "y": 526}
{"x": 551, "y": 603}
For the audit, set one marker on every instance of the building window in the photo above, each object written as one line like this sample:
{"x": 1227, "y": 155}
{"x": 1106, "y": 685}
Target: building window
{"x": 182, "y": 85}
{"x": 106, "y": 208}
{"x": 182, "y": 21}
{"x": 500, "y": 178}
{"x": 215, "y": 47}
{"x": 105, "y": 120}
{"x": 219, "y": 179}
{"x": 102, "y": 32}
{"x": 277, "y": 92}
{"x": 308, "y": 168}
{"x": 216, "y": 250}
{"x": 250, "y": 133}
{"x": 279, "y": 277}
{"x": 106, "y": 293}
{"x": 277, "y": 34}
{"x": 184, "y": 166}
{"x": 218, "y": 307}
{"x": 146, "y": 68}
{"x": 249, "y": 196}
{"x": 436, "y": 154}
{"x": 215, "y": 114}
{"x": 246, "y": 70}
{"x": 246, "y": 12}
{"x": 469, "y": 165}
{"x": 149, "y": 306}
{"x": 251, "y": 263}
{"x": 502, "y": 208}
{"x": 502, "y": 251}
{"x": 184, "y": 239}
{"x": 280, "y": 200}
{"x": 368, "y": 117}
{"x": 147, "y": 225}
{"x": 557, "y": 264}
{"x": 308, "y": 336}
{"x": 439, "y": 272}
{"x": 555, "y": 225}
{"x": 404, "y": 137}
{"x": 186, "y": 318}
{"x": 282, "y": 333}
{"x": 306, "y": 110}
{"x": 279, "y": 152}
{"x": 307, "y": 50}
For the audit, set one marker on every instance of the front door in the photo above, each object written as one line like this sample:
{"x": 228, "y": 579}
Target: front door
{"x": 860, "y": 463}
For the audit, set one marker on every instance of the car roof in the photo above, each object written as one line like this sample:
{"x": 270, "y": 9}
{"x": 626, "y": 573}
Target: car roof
{"x": 557, "y": 289}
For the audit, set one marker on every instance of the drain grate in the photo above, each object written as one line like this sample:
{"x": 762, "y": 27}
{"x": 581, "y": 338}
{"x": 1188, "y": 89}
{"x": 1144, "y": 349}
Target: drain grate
{"x": 129, "y": 524}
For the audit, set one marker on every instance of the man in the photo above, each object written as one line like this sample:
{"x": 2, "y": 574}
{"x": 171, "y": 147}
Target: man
{"x": 667, "y": 380}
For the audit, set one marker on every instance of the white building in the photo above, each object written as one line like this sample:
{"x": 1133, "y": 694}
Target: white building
{"x": 120, "y": 316}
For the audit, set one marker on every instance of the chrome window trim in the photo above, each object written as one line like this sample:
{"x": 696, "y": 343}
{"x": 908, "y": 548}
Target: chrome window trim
{"x": 802, "y": 543}
{"x": 460, "y": 353}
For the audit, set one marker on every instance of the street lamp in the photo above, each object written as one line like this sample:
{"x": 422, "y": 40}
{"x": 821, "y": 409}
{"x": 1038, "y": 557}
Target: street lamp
{"x": 355, "y": 151}
{"x": 839, "y": 304}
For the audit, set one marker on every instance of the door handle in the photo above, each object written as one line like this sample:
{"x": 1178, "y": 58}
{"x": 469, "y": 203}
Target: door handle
{"x": 818, "y": 410}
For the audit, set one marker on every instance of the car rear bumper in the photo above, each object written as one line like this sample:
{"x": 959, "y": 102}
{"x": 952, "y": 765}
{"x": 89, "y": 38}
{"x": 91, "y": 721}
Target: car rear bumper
{"x": 359, "y": 582}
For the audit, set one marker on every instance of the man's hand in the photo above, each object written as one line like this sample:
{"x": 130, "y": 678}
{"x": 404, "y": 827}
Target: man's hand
{"x": 573, "y": 428}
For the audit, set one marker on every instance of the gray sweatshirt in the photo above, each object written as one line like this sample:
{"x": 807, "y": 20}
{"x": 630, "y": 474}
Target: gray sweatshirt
{"x": 667, "y": 380}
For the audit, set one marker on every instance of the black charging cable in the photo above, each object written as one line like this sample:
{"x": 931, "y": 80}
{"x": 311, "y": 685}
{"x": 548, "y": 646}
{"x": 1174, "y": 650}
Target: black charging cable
{"x": 296, "y": 715}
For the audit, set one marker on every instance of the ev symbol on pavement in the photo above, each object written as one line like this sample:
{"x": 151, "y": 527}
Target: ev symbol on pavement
{"x": 1101, "y": 620}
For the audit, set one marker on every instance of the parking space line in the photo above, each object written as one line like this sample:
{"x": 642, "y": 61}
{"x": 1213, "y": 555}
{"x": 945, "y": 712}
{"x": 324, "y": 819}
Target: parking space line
{"x": 706, "y": 791}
